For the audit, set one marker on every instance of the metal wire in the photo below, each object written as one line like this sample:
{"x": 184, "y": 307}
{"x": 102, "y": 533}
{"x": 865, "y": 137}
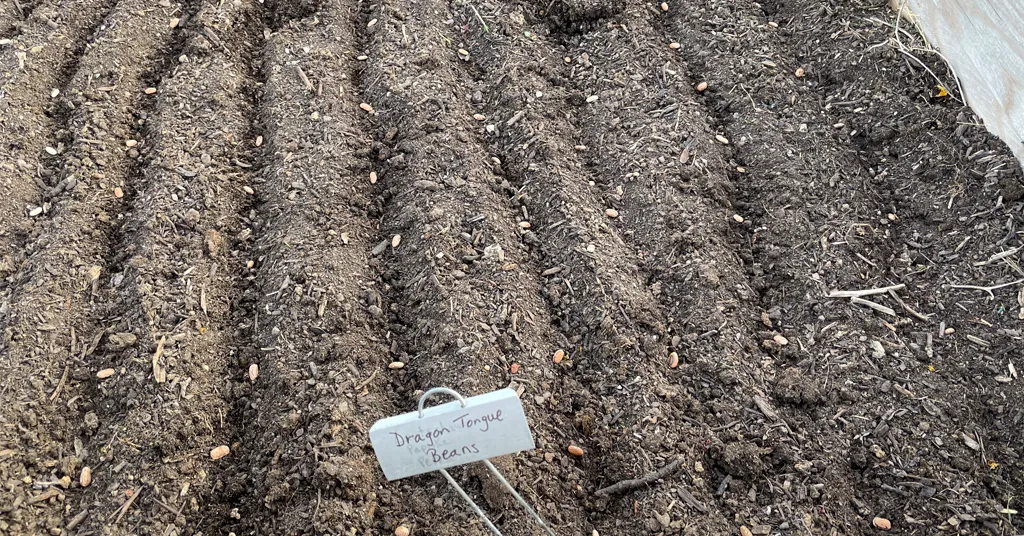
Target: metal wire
{"x": 494, "y": 470}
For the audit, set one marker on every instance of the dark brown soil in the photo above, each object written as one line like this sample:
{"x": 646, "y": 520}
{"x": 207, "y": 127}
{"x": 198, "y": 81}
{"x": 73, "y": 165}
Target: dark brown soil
{"x": 545, "y": 176}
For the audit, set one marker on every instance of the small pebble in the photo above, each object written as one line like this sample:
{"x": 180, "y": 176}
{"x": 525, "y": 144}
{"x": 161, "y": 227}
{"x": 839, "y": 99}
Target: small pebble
{"x": 220, "y": 452}
{"x": 396, "y": 365}
{"x": 881, "y": 523}
{"x": 395, "y": 240}
{"x": 559, "y": 355}
{"x": 150, "y": 90}
{"x": 86, "y": 477}
{"x": 673, "y": 360}
{"x": 254, "y": 372}
{"x": 722, "y": 139}
{"x": 800, "y": 72}
{"x": 105, "y": 373}
{"x": 373, "y": 177}
{"x": 673, "y": 46}
{"x": 118, "y": 192}
{"x": 402, "y": 530}
{"x": 737, "y": 218}
{"x": 702, "y": 86}
{"x": 568, "y": 59}
{"x": 575, "y": 451}
{"x": 611, "y": 213}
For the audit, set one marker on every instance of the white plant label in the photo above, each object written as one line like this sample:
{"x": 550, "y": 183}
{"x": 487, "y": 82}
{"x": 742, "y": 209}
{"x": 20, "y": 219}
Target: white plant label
{"x": 449, "y": 434}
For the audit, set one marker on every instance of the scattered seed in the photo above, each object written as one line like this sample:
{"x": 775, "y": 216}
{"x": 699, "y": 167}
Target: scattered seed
{"x": 259, "y": 141}
{"x": 254, "y": 372}
{"x": 362, "y": 57}
{"x": 673, "y": 45}
{"x": 664, "y": 6}
{"x": 741, "y": 169}
{"x": 150, "y": 90}
{"x": 673, "y": 360}
{"x": 372, "y": 23}
{"x": 220, "y": 452}
{"x": 51, "y": 151}
{"x": 174, "y": 22}
{"x": 373, "y": 177}
{"x": 105, "y": 373}
{"x": 118, "y": 192}
{"x": 702, "y": 86}
{"x": 463, "y": 52}
{"x": 744, "y": 531}
{"x": 248, "y": 190}
{"x": 402, "y": 530}
{"x": 396, "y": 365}
{"x": 611, "y": 213}
{"x": 737, "y": 218}
{"x": 800, "y": 72}
{"x": 479, "y": 117}
{"x": 780, "y": 340}
{"x": 366, "y": 107}
{"x": 54, "y": 92}
{"x": 395, "y": 240}
{"x": 722, "y": 139}
{"x": 881, "y": 523}
{"x": 592, "y": 98}
{"x": 575, "y": 451}
{"x": 131, "y": 143}
{"x": 514, "y": 369}
{"x": 86, "y": 477}
{"x": 559, "y": 355}
{"x": 568, "y": 59}
{"x": 949, "y": 331}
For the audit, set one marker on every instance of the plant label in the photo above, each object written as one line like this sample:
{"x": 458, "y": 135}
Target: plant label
{"x": 451, "y": 434}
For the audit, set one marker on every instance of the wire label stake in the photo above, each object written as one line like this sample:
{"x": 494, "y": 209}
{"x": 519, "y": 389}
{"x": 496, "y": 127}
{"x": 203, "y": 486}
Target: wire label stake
{"x": 463, "y": 431}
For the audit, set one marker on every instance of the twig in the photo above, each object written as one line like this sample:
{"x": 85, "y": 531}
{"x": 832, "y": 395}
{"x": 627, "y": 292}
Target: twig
{"x": 60, "y": 385}
{"x": 691, "y": 500}
{"x": 159, "y": 374}
{"x": 305, "y": 79}
{"x": 859, "y": 293}
{"x": 368, "y": 380}
{"x": 878, "y": 307}
{"x": 906, "y": 307}
{"x": 78, "y": 519}
{"x": 989, "y": 289}
{"x": 627, "y": 485}
{"x": 128, "y": 504}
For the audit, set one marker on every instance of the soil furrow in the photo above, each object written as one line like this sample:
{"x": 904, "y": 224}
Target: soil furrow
{"x": 62, "y": 293}
{"x": 317, "y": 336}
{"x": 36, "y": 63}
{"x": 828, "y": 157}
{"x": 622, "y": 332}
{"x": 182, "y": 251}
{"x": 462, "y": 289}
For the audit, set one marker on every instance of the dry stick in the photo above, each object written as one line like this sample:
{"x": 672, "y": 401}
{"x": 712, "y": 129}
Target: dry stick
{"x": 906, "y": 307}
{"x": 627, "y": 485}
{"x": 878, "y": 307}
{"x": 77, "y": 519}
{"x": 859, "y": 293}
{"x": 128, "y": 504}
{"x": 989, "y": 289}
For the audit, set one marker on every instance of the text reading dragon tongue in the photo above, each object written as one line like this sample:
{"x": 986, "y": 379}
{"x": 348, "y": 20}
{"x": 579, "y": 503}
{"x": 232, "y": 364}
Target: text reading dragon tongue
{"x": 451, "y": 434}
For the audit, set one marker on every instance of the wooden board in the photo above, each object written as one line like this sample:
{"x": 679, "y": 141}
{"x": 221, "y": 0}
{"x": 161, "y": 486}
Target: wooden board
{"x": 983, "y": 41}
